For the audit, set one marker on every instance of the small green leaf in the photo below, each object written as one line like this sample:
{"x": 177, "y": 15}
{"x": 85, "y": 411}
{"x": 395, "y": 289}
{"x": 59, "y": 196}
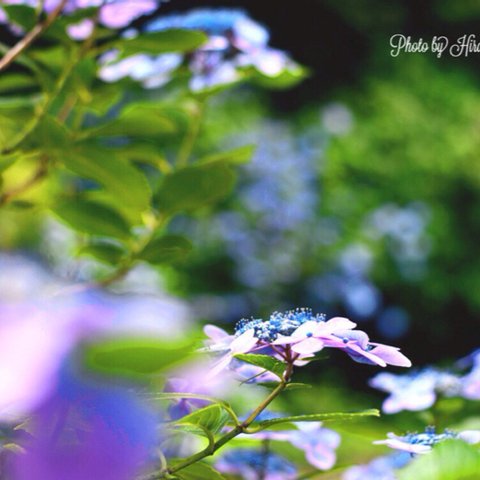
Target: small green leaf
{"x": 316, "y": 417}
{"x": 136, "y": 121}
{"x": 105, "y": 252}
{"x": 21, "y": 15}
{"x": 237, "y": 156}
{"x": 126, "y": 183}
{"x": 173, "y": 40}
{"x": 166, "y": 249}
{"x": 212, "y": 418}
{"x": 92, "y": 218}
{"x": 197, "y": 471}
{"x": 135, "y": 356}
{"x": 16, "y": 81}
{"x": 449, "y": 460}
{"x": 194, "y": 187}
{"x": 264, "y": 361}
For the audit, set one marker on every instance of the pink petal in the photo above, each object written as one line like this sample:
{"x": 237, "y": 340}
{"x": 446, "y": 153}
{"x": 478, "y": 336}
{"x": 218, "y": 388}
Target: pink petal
{"x": 391, "y": 355}
{"x": 307, "y": 346}
{"x": 369, "y": 355}
{"x": 245, "y": 342}
{"x": 215, "y": 333}
{"x": 338, "y": 324}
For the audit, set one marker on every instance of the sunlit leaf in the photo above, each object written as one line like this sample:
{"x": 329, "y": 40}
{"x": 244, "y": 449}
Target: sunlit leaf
{"x": 135, "y": 356}
{"x": 449, "y": 460}
{"x": 211, "y": 418}
{"x": 105, "y": 252}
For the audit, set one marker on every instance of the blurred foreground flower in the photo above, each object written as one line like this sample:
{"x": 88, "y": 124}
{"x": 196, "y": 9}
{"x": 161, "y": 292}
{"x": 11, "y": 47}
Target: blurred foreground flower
{"x": 86, "y": 430}
{"x": 417, "y": 443}
{"x": 235, "y": 44}
{"x": 294, "y": 336}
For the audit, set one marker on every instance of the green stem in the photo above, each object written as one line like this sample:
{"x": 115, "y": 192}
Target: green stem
{"x": 30, "y": 37}
{"x": 237, "y": 430}
{"x": 50, "y": 97}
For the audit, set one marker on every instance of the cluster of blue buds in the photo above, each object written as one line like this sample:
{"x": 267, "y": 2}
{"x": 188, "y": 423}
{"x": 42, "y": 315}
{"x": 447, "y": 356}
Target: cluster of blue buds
{"x": 278, "y": 324}
{"x": 429, "y": 437}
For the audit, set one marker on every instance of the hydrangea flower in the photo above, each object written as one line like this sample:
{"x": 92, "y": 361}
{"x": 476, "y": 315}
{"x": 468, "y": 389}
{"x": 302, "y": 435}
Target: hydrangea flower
{"x": 235, "y": 42}
{"x": 295, "y": 335}
{"x": 85, "y": 430}
{"x": 112, "y": 13}
{"x": 248, "y": 463}
{"x": 318, "y": 443}
{"x": 416, "y": 391}
{"x": 418, "y": 443}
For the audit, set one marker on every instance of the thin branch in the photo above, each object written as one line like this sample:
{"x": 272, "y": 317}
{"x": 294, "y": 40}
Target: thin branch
{"x": 31, "y": 36}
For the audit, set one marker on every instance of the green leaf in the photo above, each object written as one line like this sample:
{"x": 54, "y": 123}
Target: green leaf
{"x": 16, "y": 81}
{"x": 237, "y": 156}
{"x": 105, "y": 252}
{"x": 264, "y": 361}
{"x": 211, "y": 418}
{"x": 449, "y": 460}
{"x": 172, "y": 40}
{"x": 286, "y": 79}
{"x": 135, "y": 356}
{"x": 136, "y": 121}
{"x": 166, "y": 249}
{"x": 92, "y": 218}
{"x": 127, "y": 184}
{"x": 194, "y": 187}
{"x": 21, "y": 15}
{"x": 316, "y": 417}
{"x": 197, "y": 471}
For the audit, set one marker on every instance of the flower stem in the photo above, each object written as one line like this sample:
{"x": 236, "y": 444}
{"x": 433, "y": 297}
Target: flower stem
{"x": 237, "y": 430}
{"x": 191, "y": 135}
{"x": 30, "y": 37}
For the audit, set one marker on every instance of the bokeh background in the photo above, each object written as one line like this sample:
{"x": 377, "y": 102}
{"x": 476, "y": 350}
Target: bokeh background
{"x": 362, "y": 198}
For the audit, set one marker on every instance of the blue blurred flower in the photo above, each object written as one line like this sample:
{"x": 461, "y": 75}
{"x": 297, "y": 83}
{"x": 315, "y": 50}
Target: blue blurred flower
{"x": 235, "y": 43}
{"x": 381, "y": 468}
{"x": 249, "y": 463}
{"x": 86, "y": 430}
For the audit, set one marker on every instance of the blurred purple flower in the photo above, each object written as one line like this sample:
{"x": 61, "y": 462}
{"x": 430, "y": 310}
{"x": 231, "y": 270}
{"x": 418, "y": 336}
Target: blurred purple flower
{"x": 249, "y": 463}
{"x": 416, "y": 391}
{"x": 318, "y": 443}
{"x": 419, "y": 443}
{"x": 85, "y": 430}
{"x": 381, "y": 468}
{"x": 34, "y": 341}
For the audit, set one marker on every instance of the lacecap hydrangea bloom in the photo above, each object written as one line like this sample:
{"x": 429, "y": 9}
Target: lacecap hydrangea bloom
{"x": 295, "y": 336}
{"x": 420, "y": 389}
{"x": 418, "y": 443}
{"x": 250, "y": 463}
{"x": 235, "y": 43}
{"x": 111, "y": 13}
